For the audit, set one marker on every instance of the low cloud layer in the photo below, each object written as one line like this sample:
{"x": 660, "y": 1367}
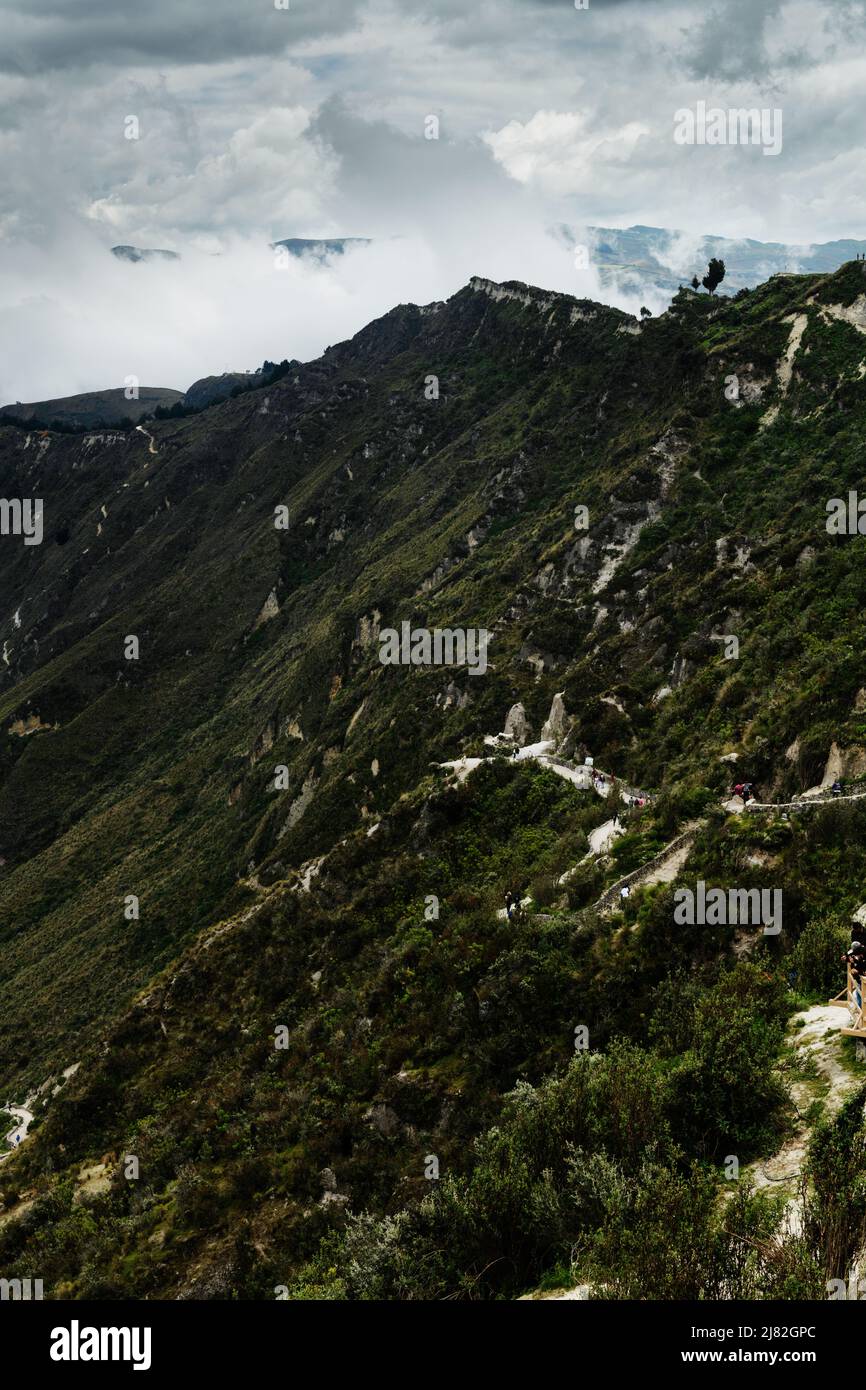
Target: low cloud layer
{"x": 254, "y": 123}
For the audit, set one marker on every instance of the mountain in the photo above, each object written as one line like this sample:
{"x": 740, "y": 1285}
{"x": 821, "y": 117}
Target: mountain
{"x": 208, "y": 390}
{"x": 107, "y": 409}
{"x": 320, "y": 249}
{"x": 637, "y": 260}
{"x": 253, "y": 876}
{"x": 94, "y": 409}
{"x": 140, "y": 253}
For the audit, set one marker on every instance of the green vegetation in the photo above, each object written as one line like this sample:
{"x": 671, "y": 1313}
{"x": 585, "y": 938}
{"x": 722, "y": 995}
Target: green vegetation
{"x": 354, "y": 914}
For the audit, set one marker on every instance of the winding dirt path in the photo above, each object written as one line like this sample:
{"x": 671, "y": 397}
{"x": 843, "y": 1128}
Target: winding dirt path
{"x": 813, "y": 1033}
{"x": 18, "y": 1133}
{"x": 151, "y": 448}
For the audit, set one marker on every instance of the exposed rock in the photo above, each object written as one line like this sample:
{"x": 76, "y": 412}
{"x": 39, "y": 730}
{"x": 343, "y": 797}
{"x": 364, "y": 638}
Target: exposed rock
{"x": 355, "y": 717}
{"x": 453, "y": 697}
{"x": 301, "y": 802}
{"x": 731, "y": 551}
{"x": 367, "y": 629}
{"x": 264, "y": 743}
{"x": 844, "y": 762}
{"x": 382, "y": 1118}
{"x": 557, "y": 722}
{"x": 785, "y": 369}
{"x": 538, "y": 660}
{"x": 269, "y": 609}
{"x": 806, "y": 558}
{"x": 30, "y": 724}
{"x": 91, "y": 1182}
{"x": 516, "y": 727}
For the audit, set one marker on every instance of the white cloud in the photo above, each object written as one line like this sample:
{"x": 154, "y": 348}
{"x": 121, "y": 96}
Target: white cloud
{"x": 560, "y": 152}
{"x": 547, "y": 114}
{"x": 268, "y": 173}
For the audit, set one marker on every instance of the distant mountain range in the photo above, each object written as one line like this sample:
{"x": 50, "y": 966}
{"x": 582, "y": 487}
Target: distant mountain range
{"x": 314, "y": 248}
{"x": 630, "y": 260}
{"x": 635, "y": 259}
{"x": 101, "y": 409}
{"x": 320, "y": 250}
{"x": 141, "y": 253}
{"x": 92, "y": 409}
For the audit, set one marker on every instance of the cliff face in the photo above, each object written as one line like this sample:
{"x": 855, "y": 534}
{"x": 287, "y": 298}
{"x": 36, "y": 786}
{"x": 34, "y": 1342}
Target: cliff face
{"x": 217, "y": 810}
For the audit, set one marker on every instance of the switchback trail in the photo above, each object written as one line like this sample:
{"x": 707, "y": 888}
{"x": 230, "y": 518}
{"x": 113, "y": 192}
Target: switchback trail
{"x": 151, "y": 448}
{"x": 25, "y": 1119}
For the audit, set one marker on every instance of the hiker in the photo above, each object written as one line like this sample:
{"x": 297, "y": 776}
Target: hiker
{"x": 855, "y": 957}
{"x": 509, "y": 904}
{"x": 515, "y": 751}
{"x": 737, "y": 790}
{"x": 836, "y": 788}
{"x": 624, "y": 892}
{"x": 747, "y": 792}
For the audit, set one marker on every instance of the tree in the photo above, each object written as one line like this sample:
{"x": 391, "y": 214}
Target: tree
{"x": 645, "y": 313}
{"x": 715, "y": 275}
{"x": 696, "y": 284}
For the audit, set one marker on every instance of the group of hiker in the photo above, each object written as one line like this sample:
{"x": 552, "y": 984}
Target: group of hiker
{"x": 855, "y": 959}
{"x": 744, "y": 790}
{"x": 600, "y": 780}
{"x": 513, "y": 907}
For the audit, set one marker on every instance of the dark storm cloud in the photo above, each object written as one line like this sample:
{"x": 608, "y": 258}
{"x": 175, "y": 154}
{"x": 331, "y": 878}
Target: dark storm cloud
{"x": 85, "y": 33}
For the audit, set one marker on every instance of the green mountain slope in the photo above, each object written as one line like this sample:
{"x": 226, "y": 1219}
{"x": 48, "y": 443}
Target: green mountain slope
{"x": 301, "y": 901}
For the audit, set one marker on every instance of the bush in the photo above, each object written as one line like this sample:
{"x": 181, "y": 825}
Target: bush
{"x": 725, "y": 1090}
{"x": 544, "y": 890}
{"x": 816, "y": 955}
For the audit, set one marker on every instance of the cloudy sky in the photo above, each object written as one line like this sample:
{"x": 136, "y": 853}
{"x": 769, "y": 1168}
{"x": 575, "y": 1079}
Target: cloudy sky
{"x": 256, "y": 122}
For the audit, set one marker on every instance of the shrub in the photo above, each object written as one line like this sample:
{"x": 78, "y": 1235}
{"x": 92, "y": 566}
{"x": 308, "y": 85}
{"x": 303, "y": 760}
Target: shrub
{"x": 816, "y": 956}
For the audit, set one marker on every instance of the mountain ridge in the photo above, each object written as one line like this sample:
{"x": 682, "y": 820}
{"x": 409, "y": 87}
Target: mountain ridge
{"x": 432, "y": 467}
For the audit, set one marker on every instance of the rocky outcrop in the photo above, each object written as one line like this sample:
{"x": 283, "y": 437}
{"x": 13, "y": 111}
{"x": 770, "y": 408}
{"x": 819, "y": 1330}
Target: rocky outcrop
{"x": 516, "y": 726}
{"x": 558, "y": 722}
{"x": 269, "y": 609}
{"x": 843, "y": 762}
